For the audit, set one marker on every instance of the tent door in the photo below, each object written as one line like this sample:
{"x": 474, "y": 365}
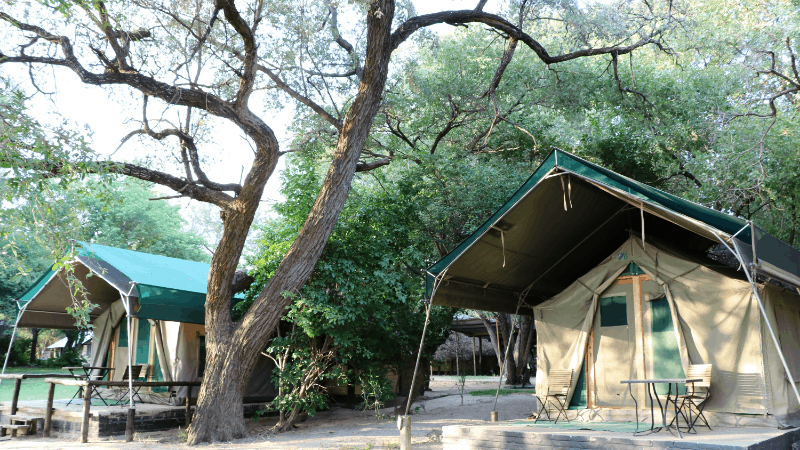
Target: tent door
{"x": 662, "y": 353}
{"x": 616, "y": 347}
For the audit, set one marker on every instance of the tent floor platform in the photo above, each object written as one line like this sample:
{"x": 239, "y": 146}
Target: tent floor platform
{"x": 524, "y": 434}
{"x": 106, "y": 421}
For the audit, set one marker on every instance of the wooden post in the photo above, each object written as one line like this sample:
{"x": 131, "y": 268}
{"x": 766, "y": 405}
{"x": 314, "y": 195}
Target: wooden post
{"x": 480, "y": 354}
{"x": 458, "y": 370}
{"x": 48, "y": 414}
{"x": 404, "y": 424}
{"x": 87, "y": 404}
{"x": 129, "y": 426}
{"x": 15, "y": 398}
{"x": 474, "y": 359}
{"x": 188, "y": 408}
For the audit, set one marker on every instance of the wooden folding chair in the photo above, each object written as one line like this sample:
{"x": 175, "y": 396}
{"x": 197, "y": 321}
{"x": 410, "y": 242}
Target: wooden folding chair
{"x": 558, "y": 384}
{"x": 134, "y": 374}
{"x": 697, "y": 395}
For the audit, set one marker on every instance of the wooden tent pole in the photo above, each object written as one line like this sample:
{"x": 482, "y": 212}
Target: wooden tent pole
{"x": 474, "y": 359}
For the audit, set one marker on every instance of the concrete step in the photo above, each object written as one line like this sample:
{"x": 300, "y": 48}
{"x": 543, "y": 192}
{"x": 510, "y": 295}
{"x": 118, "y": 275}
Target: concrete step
{"x": 14, "y": 429}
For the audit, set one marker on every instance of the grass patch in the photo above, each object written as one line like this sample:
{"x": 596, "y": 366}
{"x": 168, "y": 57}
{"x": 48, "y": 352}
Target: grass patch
{"x": 34, "y": 389}
{"x": 483, "y": 392}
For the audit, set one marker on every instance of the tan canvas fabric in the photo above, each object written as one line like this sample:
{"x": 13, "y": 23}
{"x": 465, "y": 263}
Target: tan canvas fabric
{"x": 104, "y": 332}
{"x": 563, "y": 323}
{"x": 716, "y": 321}
{"x": 783, "y": 308}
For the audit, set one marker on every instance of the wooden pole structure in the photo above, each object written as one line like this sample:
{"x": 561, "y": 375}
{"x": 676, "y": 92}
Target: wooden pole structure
{"x": 480, "y": 354}
{"x": 474, "y": 359}
{"x": 15, "y": 398}
{"x": 189, "y": 409}
{"x": 87, "y": 404}
{"x": 129, "y": 425}
{"x": 48, "y": 414}
{"x": 458, "y": 371}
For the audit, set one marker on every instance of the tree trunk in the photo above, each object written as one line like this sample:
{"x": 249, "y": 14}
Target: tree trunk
{"x": 34, "y": 340}
{"x": 232, "y": 349}
{"x": 524, "y": 345}
{"x": 492, "y": 337}
{"x": 507, "y": 331}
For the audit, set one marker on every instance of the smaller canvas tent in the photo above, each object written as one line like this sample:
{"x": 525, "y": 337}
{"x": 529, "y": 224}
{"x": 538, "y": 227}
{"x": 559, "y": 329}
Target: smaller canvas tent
{"x": 165, "y": 328}
{"x": 561, "y": 249}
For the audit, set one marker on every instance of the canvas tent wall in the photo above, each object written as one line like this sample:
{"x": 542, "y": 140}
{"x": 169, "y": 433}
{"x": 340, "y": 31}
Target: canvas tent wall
{"x": 711, "y": 317}
{"x": 563, "y": 224}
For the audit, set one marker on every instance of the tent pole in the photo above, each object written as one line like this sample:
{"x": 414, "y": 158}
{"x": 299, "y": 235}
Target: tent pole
{"x": 508, "y": 347}
{"x": 403, "y": 422}
{"x": 761, "y": 308}
{"x": 126, "y": 301}
{"x": 419, "y": 354}
{"x": 13, "y": 335}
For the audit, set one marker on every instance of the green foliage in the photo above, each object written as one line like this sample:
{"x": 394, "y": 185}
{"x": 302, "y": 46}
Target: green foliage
{"x": 69, "y": 358}
{"x": 360, "y": 313}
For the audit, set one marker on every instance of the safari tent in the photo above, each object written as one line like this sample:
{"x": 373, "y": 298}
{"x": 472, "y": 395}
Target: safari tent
{"x": 165, "y": 299}
{"x": 618, "y": 278}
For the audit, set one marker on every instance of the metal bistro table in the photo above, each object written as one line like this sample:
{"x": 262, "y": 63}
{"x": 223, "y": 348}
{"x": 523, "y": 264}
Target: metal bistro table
{"x": 652, "y": 382}
{"x": 87, "y": 375}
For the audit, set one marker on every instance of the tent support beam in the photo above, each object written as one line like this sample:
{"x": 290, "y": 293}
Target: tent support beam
{"x": 126, "y": 300}
{"x": 13, "y": 335}
{"x": 750, "y": 278}
{"x": 428, "y": 305}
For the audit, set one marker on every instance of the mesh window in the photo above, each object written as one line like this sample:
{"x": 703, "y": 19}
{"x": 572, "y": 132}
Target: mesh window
{"x": 613, "y": 311}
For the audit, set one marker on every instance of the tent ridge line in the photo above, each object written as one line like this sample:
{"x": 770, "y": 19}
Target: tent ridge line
{"x": 631, "y": 180}
{"x": 614, "y": 191}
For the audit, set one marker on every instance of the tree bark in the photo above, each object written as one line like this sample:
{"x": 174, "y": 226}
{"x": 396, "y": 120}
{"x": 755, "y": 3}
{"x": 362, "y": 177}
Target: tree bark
{"x": 34, "y": 340}
{"x": 507, "y": 332}
{"x": 232, "y": 350}
{"x": 492, "y": 337}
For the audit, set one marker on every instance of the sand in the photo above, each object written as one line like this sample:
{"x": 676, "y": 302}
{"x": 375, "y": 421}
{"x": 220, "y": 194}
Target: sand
{"x": 339, "y": 428}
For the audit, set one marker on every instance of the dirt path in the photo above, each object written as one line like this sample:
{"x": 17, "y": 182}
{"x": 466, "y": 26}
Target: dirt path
{"x": 338, "y": 428}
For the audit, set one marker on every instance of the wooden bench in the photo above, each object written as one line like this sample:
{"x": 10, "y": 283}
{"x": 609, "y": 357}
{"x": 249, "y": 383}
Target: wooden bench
{"x": 14, "y": 429}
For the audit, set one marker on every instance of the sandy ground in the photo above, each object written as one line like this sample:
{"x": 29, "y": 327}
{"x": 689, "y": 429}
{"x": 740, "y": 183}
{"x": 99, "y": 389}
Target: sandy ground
{"x": 338, "y": 428}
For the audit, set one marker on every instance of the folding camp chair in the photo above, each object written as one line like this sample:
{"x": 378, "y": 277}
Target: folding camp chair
{"x": 697, "y": 395}
{"x": 558, "y": 384}
{"x": 135, "y": 373}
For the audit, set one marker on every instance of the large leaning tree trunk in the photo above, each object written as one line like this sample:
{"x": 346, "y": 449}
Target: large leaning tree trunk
{"x": 163, "y": 61}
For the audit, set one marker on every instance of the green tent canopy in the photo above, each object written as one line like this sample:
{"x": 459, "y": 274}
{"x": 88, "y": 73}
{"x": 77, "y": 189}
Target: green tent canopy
{"x": 567, "y": 217}
{"x": 160, "y": 287}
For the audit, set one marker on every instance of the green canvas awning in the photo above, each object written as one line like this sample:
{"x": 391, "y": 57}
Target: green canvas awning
{"x": 160, "y": 287}
{"x": 567, "y": 217}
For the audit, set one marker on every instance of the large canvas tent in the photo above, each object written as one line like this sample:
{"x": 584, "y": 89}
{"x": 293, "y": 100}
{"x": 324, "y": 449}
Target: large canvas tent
{"x": 617, "y": 277}
{"x": 162, "y": 300}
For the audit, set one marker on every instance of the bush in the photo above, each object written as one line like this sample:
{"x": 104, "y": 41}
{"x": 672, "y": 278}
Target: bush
{"x": 68, "y": 358}
{"x": 20, "y": 352}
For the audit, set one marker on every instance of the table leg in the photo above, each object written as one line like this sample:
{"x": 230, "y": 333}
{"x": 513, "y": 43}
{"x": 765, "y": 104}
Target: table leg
{"x": 675, "y": 401}
{"x": 661, "y": 407}
{"x": 636, "y": 406}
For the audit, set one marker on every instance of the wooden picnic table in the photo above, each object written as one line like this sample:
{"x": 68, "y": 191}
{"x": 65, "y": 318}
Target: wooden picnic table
{"x": 88, "y": 385}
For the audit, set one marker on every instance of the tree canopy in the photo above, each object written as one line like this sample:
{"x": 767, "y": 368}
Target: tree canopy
{"x": 674, "y": 94}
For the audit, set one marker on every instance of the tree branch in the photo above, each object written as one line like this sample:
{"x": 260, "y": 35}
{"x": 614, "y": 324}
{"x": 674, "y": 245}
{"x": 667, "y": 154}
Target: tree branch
{"x": 474, "y": 16}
